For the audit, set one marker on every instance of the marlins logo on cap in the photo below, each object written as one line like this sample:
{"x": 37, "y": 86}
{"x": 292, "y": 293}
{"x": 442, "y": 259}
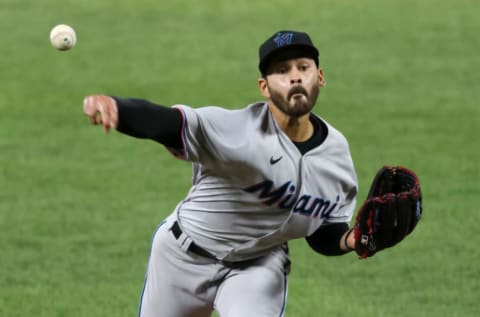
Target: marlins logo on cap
{"x": 298, "y": 44}
{"x": 283, "y": 38}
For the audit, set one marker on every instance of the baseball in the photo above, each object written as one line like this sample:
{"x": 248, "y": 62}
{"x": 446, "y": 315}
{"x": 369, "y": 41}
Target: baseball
{"x": 63, "y": 37}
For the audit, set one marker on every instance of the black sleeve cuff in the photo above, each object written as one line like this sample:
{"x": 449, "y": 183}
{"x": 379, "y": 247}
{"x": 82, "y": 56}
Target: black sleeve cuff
{"x": 326, "y": 240}
{"x": 146, "y": 120}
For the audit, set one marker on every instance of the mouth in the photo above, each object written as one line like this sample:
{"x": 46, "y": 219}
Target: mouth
{"x": 297, "y": 92}
{"x": 297, "y": 95}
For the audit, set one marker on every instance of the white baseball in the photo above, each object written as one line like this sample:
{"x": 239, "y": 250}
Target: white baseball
{"x": 63, "y": 37}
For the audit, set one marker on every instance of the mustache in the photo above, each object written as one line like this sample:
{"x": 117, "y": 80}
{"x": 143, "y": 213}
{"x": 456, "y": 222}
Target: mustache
{"x": 297, "y": 90}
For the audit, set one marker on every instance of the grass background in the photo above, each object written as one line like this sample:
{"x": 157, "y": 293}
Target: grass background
{"x": 77, "y": 208}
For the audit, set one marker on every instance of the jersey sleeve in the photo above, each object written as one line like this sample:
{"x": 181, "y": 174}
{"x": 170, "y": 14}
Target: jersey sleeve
{"x": 344, "y": 170}
{"x": 209, "y": 134}
{"x": 345, "y": 210}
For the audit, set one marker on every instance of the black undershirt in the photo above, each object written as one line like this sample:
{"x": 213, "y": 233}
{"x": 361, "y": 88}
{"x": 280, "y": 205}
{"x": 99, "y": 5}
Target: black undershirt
{"x": 144, "y": 119}
{"x": 320, "y": 132}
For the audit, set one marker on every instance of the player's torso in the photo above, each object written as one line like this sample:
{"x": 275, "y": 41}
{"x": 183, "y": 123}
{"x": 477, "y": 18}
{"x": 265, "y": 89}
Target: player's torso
{"x": 256, "y": 190}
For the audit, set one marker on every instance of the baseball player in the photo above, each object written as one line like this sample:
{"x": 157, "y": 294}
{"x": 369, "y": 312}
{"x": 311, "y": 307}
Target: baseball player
{"x": 262, "y": 175}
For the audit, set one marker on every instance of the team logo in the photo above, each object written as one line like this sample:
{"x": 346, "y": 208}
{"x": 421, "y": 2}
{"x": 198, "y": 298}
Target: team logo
{"x": 283, "y": 39}
{"x": 285, "y": 197}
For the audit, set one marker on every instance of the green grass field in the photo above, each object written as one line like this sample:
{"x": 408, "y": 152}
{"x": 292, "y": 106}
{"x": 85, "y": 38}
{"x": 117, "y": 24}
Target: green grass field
{"x": 77, "y": 207}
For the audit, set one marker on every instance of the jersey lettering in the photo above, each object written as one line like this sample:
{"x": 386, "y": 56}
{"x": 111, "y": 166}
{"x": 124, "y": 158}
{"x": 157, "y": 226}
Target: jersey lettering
{"x": 265, "y": 189}
{"x": 284, "y": 198}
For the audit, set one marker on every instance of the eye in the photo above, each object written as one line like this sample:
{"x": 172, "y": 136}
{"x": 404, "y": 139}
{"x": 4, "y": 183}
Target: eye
{"x": 303, "y": 67}
{"x": 281, "y": 70}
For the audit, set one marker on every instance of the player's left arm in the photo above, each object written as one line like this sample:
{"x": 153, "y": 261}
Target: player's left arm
{"x": 332, "y": 239}
{"x": 334, "y": 236}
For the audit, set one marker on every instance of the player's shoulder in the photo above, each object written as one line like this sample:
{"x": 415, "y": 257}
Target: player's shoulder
{"x": 251, "y": 108}
{"x": 225, "y": 120}
{"x": 213, "y": 111}
{"x": 333, "y": 134}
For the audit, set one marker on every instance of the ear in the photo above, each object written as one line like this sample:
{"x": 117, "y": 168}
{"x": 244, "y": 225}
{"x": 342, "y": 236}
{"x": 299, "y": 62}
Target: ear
{"x": 321, "y": 78}
{"x": 263, "y": 87}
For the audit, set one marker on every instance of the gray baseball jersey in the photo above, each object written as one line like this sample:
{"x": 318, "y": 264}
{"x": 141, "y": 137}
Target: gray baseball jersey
{"x": 252, "y": 188}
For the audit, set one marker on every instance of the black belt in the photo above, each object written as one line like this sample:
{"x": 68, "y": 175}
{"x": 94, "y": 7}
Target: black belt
{"x": 177, "y": 232}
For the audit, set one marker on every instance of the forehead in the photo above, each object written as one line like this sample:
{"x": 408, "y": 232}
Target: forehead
{"x": 292, "y": 54}
{"x": 293, "y": 60}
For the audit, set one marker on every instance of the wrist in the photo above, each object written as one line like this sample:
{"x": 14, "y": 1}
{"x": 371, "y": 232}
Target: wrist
{"x": 348, "y": 241}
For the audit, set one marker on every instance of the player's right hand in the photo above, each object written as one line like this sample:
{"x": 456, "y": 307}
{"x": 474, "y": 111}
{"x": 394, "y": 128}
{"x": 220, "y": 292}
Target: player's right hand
{"x": 101, "y": 109}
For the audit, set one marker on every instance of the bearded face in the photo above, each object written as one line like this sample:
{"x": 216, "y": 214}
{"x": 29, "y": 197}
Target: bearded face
{"x": 293, "y": 86}
{"x": 298, "y": 101}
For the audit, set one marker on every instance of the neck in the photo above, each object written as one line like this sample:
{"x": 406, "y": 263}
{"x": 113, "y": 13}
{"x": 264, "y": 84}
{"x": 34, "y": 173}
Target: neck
{"x": 298, "y": 129}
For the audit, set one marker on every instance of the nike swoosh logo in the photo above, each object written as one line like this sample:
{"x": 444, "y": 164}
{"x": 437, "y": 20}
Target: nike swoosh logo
{"x": 273, "y": 161}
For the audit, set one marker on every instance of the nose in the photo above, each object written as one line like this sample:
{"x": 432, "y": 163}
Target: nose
{"x": 296, "y": 81}
{"x": 295, "y": 77}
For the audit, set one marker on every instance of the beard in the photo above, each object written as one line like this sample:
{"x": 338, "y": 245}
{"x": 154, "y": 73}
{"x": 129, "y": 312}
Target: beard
{"x": 294, "y": 105}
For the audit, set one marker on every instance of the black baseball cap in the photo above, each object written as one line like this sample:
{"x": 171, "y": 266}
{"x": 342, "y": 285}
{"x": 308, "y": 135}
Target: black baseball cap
{"x": 286, "y": 45}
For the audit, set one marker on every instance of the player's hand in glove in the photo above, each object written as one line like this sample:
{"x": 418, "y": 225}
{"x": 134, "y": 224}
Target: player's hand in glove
{"x": 391, "y": 211}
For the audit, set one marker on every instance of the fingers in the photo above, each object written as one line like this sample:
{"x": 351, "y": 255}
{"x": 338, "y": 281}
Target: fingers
{"x": 109, "y": 113}
{"x": 101, "y": 109}
{"x": 89, "y": 109}
{"x": 104, "y": 114}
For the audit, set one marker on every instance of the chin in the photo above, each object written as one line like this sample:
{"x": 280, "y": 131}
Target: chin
{"x": 299, "y": 109}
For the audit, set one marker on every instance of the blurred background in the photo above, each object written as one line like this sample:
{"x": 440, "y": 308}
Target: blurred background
{"x": 78, "y": 207}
